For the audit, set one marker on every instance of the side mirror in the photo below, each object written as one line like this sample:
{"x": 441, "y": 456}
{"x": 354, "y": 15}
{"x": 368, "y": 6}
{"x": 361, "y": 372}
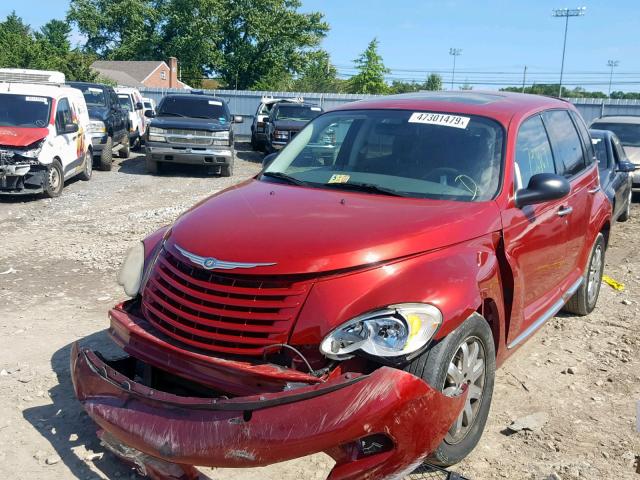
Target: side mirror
{"x": 542, "y": 188}
{"x": 237, "y": 119}
{"x": 71, "y": 128}
{"x": 268, "y": 160}
{"x": 626, "y": 167}
{"x": 149, "y": 114}
{"x": 139, "y": 106}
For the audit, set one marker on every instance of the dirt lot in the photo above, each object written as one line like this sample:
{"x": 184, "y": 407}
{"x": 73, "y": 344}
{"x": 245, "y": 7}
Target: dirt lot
{"x": 58, "y": 263}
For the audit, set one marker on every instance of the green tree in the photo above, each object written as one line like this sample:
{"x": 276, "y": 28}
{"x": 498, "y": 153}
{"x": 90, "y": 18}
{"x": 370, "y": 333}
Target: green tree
{"x": 48, "y": 49}
{"x": 398, "y": 86}
{"x": 433, "y": 83}
{"x": 371, "y": 72}
{"x": 318, "y": 74}
{"x": 241, "y": 41}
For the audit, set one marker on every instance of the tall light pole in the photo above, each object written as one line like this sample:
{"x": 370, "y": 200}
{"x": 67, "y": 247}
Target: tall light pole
{"x": 566, "y": 13}
{"x": 612, "y": 64}
{"x": 454, "y": 52}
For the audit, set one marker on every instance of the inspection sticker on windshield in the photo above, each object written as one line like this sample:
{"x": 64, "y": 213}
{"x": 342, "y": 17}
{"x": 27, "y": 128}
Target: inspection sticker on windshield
{"x": 442, "y": 119}
{"x": 315, "y": 109}
{"x": 94, "y": 90}
{"x": 37, "y": 99}
{"x": 215, "y": 102}
{"x": 339, "y": 178}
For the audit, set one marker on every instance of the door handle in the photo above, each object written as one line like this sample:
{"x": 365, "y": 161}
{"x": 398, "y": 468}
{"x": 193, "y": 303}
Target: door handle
{"x": 594, "y": 190}
{"x": 564, "y": 211}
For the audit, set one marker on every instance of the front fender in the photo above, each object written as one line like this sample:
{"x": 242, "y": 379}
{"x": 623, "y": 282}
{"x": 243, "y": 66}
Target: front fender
{"x": 456, "y": 279}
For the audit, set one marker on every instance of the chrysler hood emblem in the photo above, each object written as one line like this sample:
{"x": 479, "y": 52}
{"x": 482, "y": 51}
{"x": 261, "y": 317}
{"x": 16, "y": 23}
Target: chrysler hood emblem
{"x": 211, "y": 263}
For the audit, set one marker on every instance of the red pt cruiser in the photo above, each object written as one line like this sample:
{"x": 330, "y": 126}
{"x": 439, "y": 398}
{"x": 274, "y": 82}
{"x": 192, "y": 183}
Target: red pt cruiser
{"x": 356, "y": 296}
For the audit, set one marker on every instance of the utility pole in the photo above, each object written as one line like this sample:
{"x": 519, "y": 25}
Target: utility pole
{"x": 454, "y": 52}
{"x": 612, "y": 64}
{"x": 566, "y": 13}
{"x": 524, "y": 77}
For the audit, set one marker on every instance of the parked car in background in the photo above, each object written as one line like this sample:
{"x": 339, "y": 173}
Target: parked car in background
{"x": 149, "y": 105}
{"x": 109, "y": 127}
{"x": 258, "y": 126}
{"x": 131, "y": 101}
{"x": 44, "y": 137}
{"x": 627, "y": 129}
{"x": 285, "y": 121}
{"x": 355, "y": 303}
{"x": 192, "y": 129}
{"x": 615, "y": 172}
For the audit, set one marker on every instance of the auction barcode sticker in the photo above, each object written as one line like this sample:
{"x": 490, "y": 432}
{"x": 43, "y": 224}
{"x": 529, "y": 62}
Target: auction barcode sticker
{"x": 442, "y": 119}
{"x": 37, "y": 99}
{"x": 215, "y": 102}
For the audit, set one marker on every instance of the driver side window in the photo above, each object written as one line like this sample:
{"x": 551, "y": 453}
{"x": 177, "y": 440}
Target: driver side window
{"x": 63, "y": 115}
{"x": 533, "y": 152}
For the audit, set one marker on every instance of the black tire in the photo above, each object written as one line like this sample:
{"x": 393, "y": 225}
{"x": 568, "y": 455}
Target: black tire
{"x": 626, "y": 214}
{"x": 255, "y": 144}
{"x": 106, "y": 156}
{"x": 582, "y": 303}
{"x": 54, "y": 181}
{"x": 88, "y": 167}
{"x": 227, "y": 170}
{"x": 432, "y": 366}
{"x": 125, "y": 151}
{"x": 152, "y": 166}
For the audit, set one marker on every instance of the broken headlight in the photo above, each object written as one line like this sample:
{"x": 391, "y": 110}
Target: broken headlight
{"x": 397, "y": 330}
{"x": 130, "y": 276}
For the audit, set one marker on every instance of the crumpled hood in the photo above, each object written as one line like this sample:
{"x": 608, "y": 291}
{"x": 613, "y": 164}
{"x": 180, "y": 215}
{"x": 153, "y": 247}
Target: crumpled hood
{"x": 206, "y": 124}
{"x": 308, "y": 230}
{"x": 633, "y": 154}
{"x": 20, "y": 136}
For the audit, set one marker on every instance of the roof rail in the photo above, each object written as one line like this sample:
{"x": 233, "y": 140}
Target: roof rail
{"x": 20, "y": 75}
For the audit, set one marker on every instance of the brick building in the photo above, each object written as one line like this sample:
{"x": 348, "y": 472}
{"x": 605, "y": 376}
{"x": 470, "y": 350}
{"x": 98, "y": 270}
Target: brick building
{"x": 147, "y": 73}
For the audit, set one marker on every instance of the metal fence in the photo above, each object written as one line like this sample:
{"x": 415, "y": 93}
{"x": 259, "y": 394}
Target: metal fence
{"x": 245, "y": 103}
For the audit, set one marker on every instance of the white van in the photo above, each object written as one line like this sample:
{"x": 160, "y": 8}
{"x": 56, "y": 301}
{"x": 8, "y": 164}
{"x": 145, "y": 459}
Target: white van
{"x": 131, "y": 101}
{"x": 44, "y": 138}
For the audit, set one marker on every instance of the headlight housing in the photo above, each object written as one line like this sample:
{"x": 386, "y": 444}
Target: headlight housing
{"x": 395, "y": 331}
{"x": 157, "y": 134}
{"x": 280, "y": 135}
{"x": 131, "y": 272}
{"x": 96, "y": 126}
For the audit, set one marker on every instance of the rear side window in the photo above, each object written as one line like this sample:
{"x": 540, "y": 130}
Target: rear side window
{"x": 565, "y": 142}
{"x": 533, "y": 152}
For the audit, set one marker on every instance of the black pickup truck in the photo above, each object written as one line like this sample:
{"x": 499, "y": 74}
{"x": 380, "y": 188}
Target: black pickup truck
{"x": 191, "y": 129}
{"x": 109, "y": 128}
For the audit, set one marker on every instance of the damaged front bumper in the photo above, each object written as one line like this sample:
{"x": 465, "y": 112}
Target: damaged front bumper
{"x": 375, "y": 426}
{"x": 26, "y": 177}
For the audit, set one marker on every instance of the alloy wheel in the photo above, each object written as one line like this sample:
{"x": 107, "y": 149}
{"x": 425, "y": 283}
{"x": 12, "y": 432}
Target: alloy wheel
{"x": 594, "y": 275}
{"x": 467, "y": 367}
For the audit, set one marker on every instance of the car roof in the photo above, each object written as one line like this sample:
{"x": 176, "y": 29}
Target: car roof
{"x": 195, "y": 96}
{"x": 501, "y": 106}
{"x": 618, "y": 119}
{"x": 89, "y": 84}
{"x": 38, "y": 89}
{"x": 296, "y": 104}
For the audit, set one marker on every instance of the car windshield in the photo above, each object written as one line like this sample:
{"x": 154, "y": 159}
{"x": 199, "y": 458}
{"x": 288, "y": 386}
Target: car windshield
{"x": 600, "y": 147}
{"x": 194, "y": 107}
{"x": 628, "y": 133}
{"x": 93, "y": 96}
{"x": 147, "y": 105}
{"x": 396, "y": 152}
{"x": 297, "y": 112}
{"x": 29, "y": 111}
{"x": 125, "y": 102}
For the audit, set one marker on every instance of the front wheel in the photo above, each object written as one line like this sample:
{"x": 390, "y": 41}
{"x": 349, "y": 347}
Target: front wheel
{"x": 465, "y": 357}
{"x": 54, "y": 181}
{"x": 626, "y": 215}
{"x": 584, "y": 300}
{"x": 125, "y": 150}
{"x": 87, "y": 171}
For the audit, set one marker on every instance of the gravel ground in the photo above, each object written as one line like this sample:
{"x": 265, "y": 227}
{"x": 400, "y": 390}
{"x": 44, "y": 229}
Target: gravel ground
{"x": 58, "y": 263}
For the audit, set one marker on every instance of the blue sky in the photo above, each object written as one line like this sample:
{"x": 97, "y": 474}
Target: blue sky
{"x": 494, "y": 35}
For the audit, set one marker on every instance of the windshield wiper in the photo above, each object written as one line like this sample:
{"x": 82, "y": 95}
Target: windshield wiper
{"x": 367, "y": 187}
{"x": 285, "y": 177}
